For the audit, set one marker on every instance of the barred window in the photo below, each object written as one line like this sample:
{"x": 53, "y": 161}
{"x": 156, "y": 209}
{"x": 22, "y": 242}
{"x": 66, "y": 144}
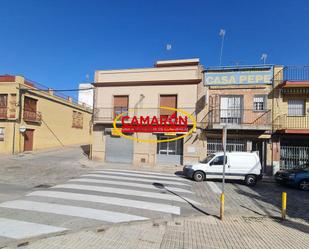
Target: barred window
{"x": 259, "y": 103}
{"x": 77, "y": 120}
{"x": 296, "y": 107}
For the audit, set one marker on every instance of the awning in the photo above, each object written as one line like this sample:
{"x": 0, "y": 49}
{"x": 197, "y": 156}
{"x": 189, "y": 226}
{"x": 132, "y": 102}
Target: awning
{"x": 289, "y": 84}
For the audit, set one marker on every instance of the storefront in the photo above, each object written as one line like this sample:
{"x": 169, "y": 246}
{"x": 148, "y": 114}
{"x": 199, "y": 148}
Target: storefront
{"x": 170, "y": 152}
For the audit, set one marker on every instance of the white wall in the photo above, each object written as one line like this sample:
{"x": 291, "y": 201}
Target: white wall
{"x": 85, "y": 96}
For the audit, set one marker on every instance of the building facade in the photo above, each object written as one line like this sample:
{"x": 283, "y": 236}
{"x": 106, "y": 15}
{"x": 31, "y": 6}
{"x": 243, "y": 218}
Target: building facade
{"x": 34, "y": 119}
{"x": 291, "y": 117}
{"x": 241, "y": 99}
{"x": 141, "y": 92}
{"x": 264, "y": 108}
{"x": 85, "y": 94}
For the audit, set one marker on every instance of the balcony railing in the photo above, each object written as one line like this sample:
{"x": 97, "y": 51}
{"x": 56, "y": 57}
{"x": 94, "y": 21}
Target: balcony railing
{"x": 292, "y": 73}
{"x": 239, "y": 118}
{"x": 32, "y": 116}
{"x": 284, "y": 121}
{"x": 3, "y": 112}
{"x": 107, "y": 115}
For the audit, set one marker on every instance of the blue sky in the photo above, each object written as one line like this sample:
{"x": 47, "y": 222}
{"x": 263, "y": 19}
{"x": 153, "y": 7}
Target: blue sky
{"x": 58, "y": 42}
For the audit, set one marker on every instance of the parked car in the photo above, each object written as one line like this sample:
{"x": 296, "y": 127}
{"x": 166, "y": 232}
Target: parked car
{"x": 297, "y": 177}
{"x": 244, "y": 166}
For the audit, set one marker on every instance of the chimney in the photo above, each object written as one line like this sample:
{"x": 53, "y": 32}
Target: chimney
{"x": 51, "y": 91}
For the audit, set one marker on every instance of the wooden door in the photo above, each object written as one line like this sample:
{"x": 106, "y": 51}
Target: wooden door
{"x": 28, "y": 144}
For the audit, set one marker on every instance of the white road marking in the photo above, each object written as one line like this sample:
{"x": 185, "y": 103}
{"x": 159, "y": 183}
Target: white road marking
{"x": 214, "y": 187}
{"x": 109, "y": 200}
{"x": 89, "y": 213}
{"x": 175, "y": 178}
{"x": 139, "y": 172}
{"x": 16, "y": 229}
{"x": 166, "y": 196}
{"x": 131, "y": 184}
{"x": 137, "y": 179}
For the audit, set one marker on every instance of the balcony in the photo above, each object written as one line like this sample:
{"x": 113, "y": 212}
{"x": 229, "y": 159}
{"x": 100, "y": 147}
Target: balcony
{"x": 107, "y": 115}
{"x": 292, "y": 124}
{"x": 32, "y": 116}
{"x": 246, "y": 119}
{"x": 3, "y": 112}
{"x": 292, "y": 75}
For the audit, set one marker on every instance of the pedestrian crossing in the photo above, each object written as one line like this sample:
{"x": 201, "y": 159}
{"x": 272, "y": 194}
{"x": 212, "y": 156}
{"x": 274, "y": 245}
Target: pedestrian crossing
{"x": 100, "y": 197}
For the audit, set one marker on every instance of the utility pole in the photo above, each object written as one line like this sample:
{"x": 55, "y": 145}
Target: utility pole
{"x": 224, "y": 135}
{"x": 222, "y": 35}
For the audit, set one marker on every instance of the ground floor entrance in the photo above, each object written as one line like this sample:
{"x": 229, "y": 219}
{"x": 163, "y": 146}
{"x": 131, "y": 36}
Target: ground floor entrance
{"x": 28, "y": 140}
{"x": 240, "y": 144}
{"x": 118, "y": 149}
{"x": 294, "y": 151}
{"x": 170, "y": 152}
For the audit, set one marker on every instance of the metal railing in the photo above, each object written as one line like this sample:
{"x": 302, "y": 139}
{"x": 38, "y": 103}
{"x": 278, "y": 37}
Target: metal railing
{"x": 215, "y": 145}
{"x": 292, "y": 73}
{"x": 296, "y": 73}
{"x": 239, "y": 117}
{"x": 32, "y": 116}
{"x": 3, "y": 112}
{"x": 293, "y": 156}
{"x": 291, "y": 122}
{"x": 102, "y": 115}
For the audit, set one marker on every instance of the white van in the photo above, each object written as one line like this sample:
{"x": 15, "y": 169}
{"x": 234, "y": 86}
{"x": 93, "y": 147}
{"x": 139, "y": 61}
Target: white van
{"x": 239, "y": 166}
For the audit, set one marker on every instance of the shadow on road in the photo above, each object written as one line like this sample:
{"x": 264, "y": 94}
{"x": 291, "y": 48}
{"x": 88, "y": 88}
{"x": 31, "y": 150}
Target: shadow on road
{"x": 161, "y": 186}
{"x": 86, "y": 150}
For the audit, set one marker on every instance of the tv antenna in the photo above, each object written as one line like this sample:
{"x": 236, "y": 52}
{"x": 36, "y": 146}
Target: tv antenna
{"x": 222, "y": 35}
{"x": 264, "y": 58}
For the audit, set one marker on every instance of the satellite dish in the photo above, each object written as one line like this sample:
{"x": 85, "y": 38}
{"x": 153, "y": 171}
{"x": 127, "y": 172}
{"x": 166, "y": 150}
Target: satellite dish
{"x": 22, "y": 129}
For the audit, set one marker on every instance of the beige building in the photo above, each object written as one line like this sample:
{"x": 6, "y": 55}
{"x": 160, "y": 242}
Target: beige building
{"x": 291, "y": 117}
{"x": 32, "y": 119}
{"x": 141, "y": 92}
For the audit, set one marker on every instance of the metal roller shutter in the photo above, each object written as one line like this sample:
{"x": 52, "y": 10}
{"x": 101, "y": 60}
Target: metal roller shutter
{"x": 118, "y": 150}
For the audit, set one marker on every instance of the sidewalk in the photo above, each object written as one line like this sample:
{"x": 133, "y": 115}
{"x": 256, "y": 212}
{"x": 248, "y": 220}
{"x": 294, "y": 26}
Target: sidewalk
{"x": 190, "y": 232}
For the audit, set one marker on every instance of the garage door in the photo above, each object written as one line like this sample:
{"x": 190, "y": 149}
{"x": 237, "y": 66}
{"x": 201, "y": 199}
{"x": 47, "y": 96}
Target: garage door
{"x": 118, "y": 150}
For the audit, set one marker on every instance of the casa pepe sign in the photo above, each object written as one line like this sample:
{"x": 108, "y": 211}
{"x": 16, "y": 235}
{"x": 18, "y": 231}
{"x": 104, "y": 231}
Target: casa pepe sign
{"x": 239, "y": 76}
{"x": 177, "y": 122}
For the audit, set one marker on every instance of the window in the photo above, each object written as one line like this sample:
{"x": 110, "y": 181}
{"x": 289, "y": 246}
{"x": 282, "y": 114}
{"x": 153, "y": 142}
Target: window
{"x": 1, "y": 134}
{"x": 168, "y": 101}
{"x": 259, "y": 103}
{"x": 77, "y": 120}
{"x": 170, "y": 147}
{"x": 3, "y": 100}
{"x": 3, "y": 105}
{"x": 30, "y": 104}
{"x": 231, "y": 109}
{"x": 121, "y": 104}
{"x": 218, "y": 160}
{"x": 296, "y": 107}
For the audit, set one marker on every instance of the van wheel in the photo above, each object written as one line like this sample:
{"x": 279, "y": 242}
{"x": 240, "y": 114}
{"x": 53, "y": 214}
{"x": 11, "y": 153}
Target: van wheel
{"x": 250, "y": 180}
{"x": 199, "y": 176}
